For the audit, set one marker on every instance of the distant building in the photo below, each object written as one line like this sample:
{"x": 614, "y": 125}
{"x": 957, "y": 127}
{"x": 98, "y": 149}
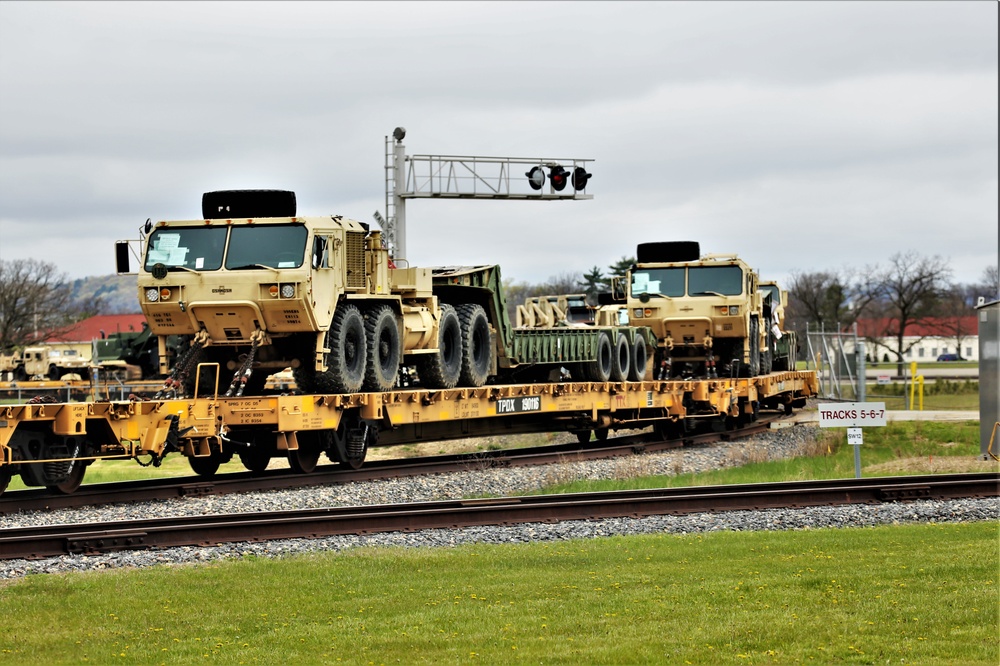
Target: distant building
{"x": 77, "y": 340}
{"x": 931, "y": 337}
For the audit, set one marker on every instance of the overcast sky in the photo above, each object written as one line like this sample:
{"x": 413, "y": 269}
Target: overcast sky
{"x": 802, "y": 136}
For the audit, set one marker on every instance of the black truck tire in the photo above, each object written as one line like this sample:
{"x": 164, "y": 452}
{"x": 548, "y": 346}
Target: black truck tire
{"x": 384, "y": 349}
{"x": 599, "y": 370}
{"x": 621, "y": 359}
{"x": 477, "y": 356}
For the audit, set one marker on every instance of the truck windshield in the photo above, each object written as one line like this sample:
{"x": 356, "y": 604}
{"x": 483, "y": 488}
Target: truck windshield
{"x": 275, "y": 246}
{"x": 665, "y": 281}
{"x": 712, "y": 280}
{"x": 196, "y": 248}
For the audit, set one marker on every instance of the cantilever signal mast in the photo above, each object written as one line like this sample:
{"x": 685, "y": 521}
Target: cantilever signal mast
{"x": 470, "y": 177}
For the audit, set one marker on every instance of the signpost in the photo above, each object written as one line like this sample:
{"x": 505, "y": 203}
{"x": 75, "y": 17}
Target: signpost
{"x": 854, "y": 416}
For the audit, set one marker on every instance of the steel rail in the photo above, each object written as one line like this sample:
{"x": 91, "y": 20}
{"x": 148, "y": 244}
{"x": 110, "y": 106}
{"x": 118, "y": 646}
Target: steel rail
{"x": 174, "y": 487}
{"x": 54, "y": 540}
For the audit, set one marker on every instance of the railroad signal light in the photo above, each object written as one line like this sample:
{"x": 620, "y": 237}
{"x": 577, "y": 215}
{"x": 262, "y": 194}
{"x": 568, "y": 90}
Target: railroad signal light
{"x": 536, "y": 178}
{"x": 580, "y": 178}
{"x": 558, "y": 177}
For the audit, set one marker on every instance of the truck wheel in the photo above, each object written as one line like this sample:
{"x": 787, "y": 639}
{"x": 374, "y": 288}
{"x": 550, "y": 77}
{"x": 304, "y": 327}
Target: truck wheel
{"x": 640, "y": 358}
{"x": 442, "y": 370}
{"x": 346, "y": 360}
{"x": 53, "y": 373}
{"x": 20, "y": 374}
{"x": 476, "y": 353}
{"x": 382, "y": 340}
{"x": 754, "y": 346}
{"x": 620, "y": 359}
{"x": 599, "y": 370}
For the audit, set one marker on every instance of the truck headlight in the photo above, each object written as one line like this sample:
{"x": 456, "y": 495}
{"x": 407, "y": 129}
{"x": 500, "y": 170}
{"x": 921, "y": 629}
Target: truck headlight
{"x": 637, "y": 313}
{"x": 152, "y": 295}
{"x": 287, "y": 290}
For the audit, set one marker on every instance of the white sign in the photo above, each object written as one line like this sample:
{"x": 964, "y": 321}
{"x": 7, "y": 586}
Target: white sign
{"x": 883, "y": 380}
{"x": 851, "y": 414}
{"x": 854, "y": 436}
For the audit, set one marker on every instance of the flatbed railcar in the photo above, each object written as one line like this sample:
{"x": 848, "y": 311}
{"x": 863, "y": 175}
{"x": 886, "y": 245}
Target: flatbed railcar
{"x": 51, "y": 444}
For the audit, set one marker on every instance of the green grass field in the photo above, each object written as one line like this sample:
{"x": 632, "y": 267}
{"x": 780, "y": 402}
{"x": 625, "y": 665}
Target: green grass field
{"x": 916, "y": 594}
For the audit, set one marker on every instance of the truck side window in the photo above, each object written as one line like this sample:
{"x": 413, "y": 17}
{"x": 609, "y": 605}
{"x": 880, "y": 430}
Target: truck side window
{"x": 321, "y": 255}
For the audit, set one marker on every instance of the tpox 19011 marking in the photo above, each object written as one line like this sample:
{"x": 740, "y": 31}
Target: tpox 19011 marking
{"x": 527, "y": 403}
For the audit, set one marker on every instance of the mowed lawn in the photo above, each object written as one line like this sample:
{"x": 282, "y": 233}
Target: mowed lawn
{"x": 908, "y": 594}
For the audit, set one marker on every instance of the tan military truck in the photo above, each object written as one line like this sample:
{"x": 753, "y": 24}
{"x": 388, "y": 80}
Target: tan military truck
{"x": 705, "y": 311}
{"x": 45, "y": 362}
{"x": 781, "y": 344}
{"x": 259, "y": 289}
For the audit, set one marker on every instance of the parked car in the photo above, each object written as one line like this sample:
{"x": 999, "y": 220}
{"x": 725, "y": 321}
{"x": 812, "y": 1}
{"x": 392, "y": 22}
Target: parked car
{"x": 950, "y": 357}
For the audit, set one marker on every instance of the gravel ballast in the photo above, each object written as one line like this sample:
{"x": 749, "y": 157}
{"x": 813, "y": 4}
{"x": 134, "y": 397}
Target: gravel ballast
{"x": 775, "y": 444}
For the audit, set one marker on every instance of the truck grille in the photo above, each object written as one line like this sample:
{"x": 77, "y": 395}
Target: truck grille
{"x": 354, "y": 258}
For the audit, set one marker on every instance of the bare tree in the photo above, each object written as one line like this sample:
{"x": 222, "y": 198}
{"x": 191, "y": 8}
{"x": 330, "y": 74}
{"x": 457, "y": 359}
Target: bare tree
{"x": 905, "y": 293}
{"x": 35, "y": 302}
{"x": 563, "y": 283}
{"x": 818, "y": 298}
{"x": 990, "y": 287}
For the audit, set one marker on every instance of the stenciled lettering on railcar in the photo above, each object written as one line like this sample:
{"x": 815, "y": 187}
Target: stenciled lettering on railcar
{"x": 526, "y": 403}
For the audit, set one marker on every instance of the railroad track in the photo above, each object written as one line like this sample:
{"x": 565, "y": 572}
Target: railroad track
{"x": 174, "y": 487}
{"x": 55, "y": 540}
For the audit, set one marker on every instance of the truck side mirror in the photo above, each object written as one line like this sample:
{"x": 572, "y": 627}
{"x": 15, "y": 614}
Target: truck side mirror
{"x": 122, "y": 257}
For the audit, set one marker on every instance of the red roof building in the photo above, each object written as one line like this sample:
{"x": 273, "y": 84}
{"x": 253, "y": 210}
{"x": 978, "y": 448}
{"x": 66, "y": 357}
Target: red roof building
{"x": 927, "y": 339}
{"x": 98, "y": 326}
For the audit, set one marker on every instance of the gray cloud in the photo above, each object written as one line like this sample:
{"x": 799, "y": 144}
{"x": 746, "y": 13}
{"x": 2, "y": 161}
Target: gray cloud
{"x": 800, "y": 135}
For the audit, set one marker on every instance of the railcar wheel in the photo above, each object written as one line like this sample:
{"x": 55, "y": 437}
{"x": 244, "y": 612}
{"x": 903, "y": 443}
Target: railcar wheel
{"x": 443, "y": 369}
{"x": 384, "y": 349}
{"x": 599, "y": 370}
{"x": 667, "y": 430}
{"x": 6, "y": 474}
{"x": 601, "y": 434}
{"x": 206, "y": 466}
{"x": 583, "y": 436}
{"x": 477, "y": 357}
{"x": 255, "y": 458}
{"x": 73, "y": 481}
{"x": 304, "y": 459}
{"x": 620, "y": 359}
{"x": 639, "y": 361}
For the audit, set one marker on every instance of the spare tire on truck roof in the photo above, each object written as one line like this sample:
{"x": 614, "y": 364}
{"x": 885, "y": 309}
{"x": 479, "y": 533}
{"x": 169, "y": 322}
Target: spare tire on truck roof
{"x": 667, "y": 251}
{"x": 231, "y": 204}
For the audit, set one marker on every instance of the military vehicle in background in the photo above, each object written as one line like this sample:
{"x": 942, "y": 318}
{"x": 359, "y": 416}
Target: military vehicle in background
{"x": 781, "y": 344}
{"x": 41, "y": 362}
{"x": 706, "y": 312}
{"x": 134, "y": 354}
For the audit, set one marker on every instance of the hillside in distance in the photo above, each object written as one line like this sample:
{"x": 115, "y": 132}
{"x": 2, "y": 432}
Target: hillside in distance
{"x": 115, "y": 294}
